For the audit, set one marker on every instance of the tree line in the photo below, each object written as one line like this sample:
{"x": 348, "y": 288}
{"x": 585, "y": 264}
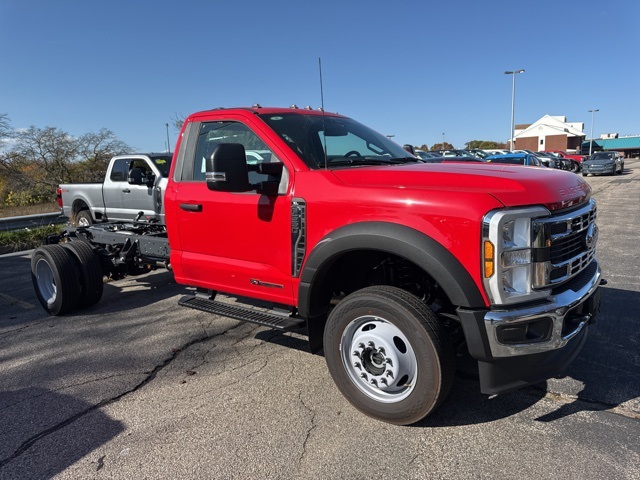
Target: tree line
{"x": 473, "y": 144}
{"x": 34, "y": 161}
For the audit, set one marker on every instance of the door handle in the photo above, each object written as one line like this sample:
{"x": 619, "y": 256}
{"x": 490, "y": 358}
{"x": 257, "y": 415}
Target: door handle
{"x": 126, "y": 190}
{"x": 191, "y": 207}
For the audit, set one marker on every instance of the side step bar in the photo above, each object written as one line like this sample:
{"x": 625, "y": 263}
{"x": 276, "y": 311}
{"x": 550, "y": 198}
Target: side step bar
{"x": 278, "y": 322}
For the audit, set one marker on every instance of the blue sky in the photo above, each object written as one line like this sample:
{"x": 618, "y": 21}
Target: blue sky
{"x": 413, "y": 69}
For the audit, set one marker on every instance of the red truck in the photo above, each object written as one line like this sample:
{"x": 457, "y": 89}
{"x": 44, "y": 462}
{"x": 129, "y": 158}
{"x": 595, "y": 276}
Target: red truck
{"x": 393, "y": 267}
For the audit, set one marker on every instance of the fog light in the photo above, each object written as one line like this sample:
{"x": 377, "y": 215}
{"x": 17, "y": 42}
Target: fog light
{"x": 529, "y": 332}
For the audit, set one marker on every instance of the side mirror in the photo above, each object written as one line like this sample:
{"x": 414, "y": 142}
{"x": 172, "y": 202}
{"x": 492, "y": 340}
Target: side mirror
{"x": 227, "y": 169}
{"x": 136, "y": 176}
{"x": 151, "y": 180}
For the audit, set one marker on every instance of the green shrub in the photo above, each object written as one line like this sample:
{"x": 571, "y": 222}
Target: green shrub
{"x": 26, "y": 238}
{"x": 18, "y": 199}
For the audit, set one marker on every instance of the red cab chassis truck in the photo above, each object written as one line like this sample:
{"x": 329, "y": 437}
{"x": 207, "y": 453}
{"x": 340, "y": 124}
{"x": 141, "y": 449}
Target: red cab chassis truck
{"x": 395, "y": 269}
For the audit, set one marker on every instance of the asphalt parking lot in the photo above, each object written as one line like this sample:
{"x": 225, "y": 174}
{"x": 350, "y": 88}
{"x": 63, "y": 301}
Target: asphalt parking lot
{"x": 137, "y": 387}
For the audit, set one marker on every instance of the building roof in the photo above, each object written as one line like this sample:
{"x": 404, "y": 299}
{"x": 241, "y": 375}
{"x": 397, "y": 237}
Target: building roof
{"x": 624, "y": 143}
{"x": 550, "y": 125}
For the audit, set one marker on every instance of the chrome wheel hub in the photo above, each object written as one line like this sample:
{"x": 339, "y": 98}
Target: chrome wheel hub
{"x": 379, "y": 359}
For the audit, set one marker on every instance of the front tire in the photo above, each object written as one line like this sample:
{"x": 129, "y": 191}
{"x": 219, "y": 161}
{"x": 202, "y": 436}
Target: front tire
{"x": 55, "y": 279}
{"x": 388, "y": 354}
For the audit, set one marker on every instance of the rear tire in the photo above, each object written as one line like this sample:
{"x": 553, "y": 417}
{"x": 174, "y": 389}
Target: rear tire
{"x": 54, "y": 275}
{"x": 83, "y": 219}
{"x": 88, "y": 263}
{"x": 388, "y": 354}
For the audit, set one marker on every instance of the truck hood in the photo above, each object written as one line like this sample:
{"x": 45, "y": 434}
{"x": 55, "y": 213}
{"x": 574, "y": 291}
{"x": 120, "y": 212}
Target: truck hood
{"x": 512, "y": 185}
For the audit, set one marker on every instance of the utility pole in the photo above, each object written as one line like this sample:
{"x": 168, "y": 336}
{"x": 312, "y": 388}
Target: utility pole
{"x": 593, "y": 112}
{"x": 513, "y": 103}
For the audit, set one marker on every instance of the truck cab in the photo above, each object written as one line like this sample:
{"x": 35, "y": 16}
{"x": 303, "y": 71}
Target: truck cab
{"x": 135, "y": 183}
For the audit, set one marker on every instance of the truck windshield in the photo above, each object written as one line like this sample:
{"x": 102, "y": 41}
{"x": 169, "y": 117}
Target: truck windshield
{"x": 163, "y": 162}
{"x": 347, "y": 142}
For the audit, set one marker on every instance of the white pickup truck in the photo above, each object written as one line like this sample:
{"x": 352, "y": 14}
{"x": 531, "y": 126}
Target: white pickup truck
{"x": 133, "y": 184}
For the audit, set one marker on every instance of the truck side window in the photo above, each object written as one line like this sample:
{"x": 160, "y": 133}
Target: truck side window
{"x": 141, "y": 165}
{"x": 119, "y": 170}
{"x": 211, "y": 134}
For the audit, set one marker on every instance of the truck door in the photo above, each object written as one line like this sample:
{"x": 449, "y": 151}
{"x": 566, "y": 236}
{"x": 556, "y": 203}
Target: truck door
{"x": 237, "y": 243}
{"x": 123, "y": 200}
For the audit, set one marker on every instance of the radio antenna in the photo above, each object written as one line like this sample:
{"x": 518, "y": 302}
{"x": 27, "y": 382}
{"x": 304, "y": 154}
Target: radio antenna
{"x": 324, "y": 136}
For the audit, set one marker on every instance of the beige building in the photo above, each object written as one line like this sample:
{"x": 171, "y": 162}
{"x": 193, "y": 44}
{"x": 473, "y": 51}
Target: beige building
{"x": 550, "y": 133}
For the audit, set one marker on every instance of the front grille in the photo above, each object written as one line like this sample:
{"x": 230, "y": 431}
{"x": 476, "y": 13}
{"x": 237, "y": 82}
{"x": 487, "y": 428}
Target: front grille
{"x": 570, "y": 238}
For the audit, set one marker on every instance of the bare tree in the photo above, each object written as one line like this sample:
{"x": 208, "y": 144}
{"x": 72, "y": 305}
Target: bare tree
{"x": 6, "y": 132}
{"x": 95, "y": 150}
{"x": 42, "y": 158}
{"x": 177, "y": 121}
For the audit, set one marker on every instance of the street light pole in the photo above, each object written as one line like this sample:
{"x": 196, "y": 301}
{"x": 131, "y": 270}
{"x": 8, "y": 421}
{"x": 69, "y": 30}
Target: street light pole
{"x": 513, "y": 73}
{"x": 168, "y": 144}
{"x": 443, "y": 141}
{"x": 593, "y": 112}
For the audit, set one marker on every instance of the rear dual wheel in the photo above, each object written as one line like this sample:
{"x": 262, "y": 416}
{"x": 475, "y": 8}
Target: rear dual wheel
{"x": 66, "y": 277}
{"x": 91, "y": 284}
{"x": 55, "y": 279}
{"x": 388, "y": 354}
{"x": 83, "y": 219}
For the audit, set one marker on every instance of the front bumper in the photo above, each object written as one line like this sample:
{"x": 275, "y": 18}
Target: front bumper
{"x": 599, "y": 169}
{"x": 549, "y": 326}
{"x": 505, "y": 364}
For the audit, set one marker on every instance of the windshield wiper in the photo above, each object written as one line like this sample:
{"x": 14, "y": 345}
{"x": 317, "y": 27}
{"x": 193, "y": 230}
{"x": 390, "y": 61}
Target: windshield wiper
{"x": 403, "y": 160}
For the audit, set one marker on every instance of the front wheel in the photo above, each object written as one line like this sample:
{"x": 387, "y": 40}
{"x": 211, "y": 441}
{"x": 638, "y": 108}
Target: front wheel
{"x": 388, "y": 354}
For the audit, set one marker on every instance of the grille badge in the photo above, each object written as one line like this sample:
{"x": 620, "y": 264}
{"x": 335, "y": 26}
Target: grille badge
{"x": 592, "y": 236}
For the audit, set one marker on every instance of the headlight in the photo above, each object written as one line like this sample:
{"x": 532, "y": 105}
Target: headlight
{"x": 509, "y": 274}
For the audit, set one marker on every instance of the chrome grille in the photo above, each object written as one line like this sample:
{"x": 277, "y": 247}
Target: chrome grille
{"x": 570, "y": 239}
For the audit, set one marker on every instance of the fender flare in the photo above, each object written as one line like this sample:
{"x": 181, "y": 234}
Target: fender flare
{"x": 396, "y": 239}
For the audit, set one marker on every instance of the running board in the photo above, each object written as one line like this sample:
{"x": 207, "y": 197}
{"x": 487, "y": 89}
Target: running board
{"x": 244, "y": 314}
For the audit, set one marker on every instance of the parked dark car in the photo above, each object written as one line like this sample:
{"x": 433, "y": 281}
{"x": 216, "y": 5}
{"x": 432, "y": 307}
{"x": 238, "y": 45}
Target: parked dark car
{"x": 603, "y": 163}
{"x": 546, "y": 159}
{"x": 453, "y": 152}
{"x": 527, "y": 159}
{"x": 422, "y": 155}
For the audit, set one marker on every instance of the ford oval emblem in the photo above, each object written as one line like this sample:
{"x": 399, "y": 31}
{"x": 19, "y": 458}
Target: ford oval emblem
{"x": 592, "y": 236}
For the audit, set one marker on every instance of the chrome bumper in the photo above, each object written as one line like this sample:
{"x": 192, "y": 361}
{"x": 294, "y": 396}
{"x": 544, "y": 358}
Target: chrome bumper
{"x": 558, "y": 308}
